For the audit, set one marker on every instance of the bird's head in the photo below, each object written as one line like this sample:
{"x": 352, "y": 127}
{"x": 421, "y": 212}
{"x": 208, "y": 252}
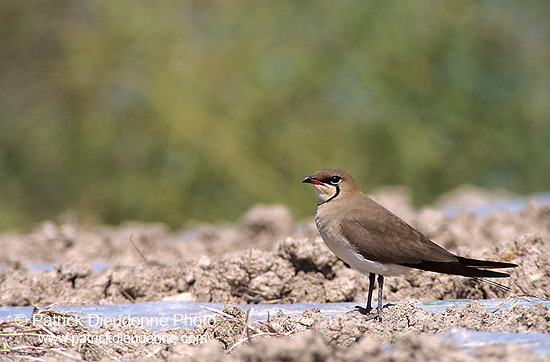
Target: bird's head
{"x": 331, "y": 183}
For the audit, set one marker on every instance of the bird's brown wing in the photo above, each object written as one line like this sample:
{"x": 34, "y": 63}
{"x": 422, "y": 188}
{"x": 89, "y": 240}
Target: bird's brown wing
{"x": 380, "y": 235}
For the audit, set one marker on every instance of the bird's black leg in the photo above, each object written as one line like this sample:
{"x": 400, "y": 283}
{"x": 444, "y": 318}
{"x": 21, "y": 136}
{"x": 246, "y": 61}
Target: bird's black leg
{"x": 380, "y": 287}
{"x": 371, "y": 289}
{"x": 367, "y": 310}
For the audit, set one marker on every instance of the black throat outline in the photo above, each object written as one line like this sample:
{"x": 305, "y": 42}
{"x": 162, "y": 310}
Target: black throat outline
{"x": 332, "y": 197}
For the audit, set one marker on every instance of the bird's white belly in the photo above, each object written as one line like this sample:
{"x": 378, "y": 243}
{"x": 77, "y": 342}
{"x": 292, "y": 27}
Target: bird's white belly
{"x": 343, "y": 250}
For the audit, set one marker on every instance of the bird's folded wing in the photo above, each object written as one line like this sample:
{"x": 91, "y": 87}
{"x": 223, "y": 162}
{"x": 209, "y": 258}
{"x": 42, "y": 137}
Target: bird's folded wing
{"x": 380, "y": 235}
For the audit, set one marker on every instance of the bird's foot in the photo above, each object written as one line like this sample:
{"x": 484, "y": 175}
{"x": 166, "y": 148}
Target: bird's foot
{"x": 374, "y": 316}
{"x": 362, "y": 310}
{"x": 367, "y": 313}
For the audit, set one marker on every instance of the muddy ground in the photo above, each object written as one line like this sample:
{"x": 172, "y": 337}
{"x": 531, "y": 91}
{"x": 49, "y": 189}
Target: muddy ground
{"x": 269, "y": 258}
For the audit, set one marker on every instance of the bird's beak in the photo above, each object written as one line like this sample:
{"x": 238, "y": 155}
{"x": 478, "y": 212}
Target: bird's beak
{"x": 312, "y": 180}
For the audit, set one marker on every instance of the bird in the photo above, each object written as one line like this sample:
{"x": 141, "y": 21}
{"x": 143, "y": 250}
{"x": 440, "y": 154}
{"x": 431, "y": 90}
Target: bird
{"x": 376, "y": 242}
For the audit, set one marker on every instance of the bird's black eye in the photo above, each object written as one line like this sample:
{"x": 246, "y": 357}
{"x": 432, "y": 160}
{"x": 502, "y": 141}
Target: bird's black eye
{"x": 335, "y": 180}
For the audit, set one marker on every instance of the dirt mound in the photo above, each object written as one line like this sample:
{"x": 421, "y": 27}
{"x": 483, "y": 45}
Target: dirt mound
{"x": 148, "y": 263}
{"x": 299, "y": 271}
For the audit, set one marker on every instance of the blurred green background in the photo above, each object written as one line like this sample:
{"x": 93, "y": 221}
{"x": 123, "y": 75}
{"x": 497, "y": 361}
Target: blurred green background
{"x": 195, "y": 110}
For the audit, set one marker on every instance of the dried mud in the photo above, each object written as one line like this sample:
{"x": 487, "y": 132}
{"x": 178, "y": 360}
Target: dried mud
{"x": 268, "y": 258}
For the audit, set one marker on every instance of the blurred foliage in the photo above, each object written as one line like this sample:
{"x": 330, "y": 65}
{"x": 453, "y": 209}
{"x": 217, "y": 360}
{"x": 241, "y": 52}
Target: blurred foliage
{"x": 195, "y": 110}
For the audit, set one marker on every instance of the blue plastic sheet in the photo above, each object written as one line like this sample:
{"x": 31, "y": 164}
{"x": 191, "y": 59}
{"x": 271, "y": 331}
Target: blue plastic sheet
{"x": 511, "y": 205}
